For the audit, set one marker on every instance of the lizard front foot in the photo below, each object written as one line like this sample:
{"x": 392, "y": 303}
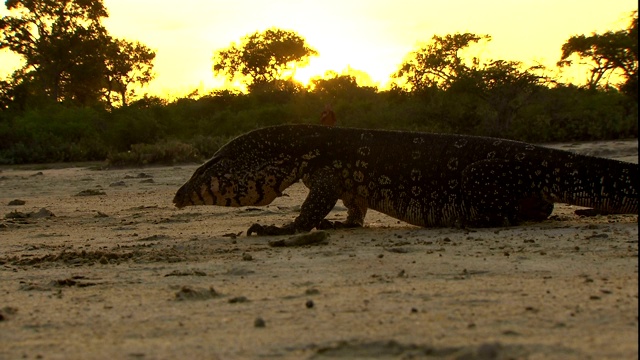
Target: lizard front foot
{"x": 329, "y": 225}
{"x": 270, "y": 230}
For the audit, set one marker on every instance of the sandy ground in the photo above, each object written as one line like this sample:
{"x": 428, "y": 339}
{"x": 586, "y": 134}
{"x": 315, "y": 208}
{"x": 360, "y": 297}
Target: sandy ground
{"x": 110, "y": 269}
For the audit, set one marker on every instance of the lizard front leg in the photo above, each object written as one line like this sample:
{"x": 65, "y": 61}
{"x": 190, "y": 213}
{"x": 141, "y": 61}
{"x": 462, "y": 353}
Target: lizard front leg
{"x": 324, "y": 192}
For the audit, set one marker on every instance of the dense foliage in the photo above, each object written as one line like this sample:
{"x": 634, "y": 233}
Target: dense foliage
{"x": 192, "y": 129}
{"x": 60, "y": 108}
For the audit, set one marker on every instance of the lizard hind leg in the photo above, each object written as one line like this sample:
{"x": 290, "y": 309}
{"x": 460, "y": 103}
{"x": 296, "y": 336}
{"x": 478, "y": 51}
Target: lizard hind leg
{"x": 496, "y": 194}
{"x": 534, "y": 209}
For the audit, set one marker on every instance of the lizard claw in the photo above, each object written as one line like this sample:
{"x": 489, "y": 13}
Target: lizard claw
{"x": 270, "y": 230}
{"x": 328, "y": 225}
{"x": 290, "y": 229}
{"x": 325, "y": 225}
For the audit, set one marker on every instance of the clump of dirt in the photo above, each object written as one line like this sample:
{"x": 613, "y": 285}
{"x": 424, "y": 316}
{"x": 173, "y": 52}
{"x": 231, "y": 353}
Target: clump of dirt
{"x": 7, "y": 312}
{"x": 189, "y": 293}
{"x": 91, "y": 192}
{"x": 312, "y": 238}
{"x": 79, "y": 281}
{"x": 82, "y": 257}
{"x": 104, "y": 257}
{"x": 186, "y": 273}
{"x": 42, "y": 213}
{"x": 394, "y": 349}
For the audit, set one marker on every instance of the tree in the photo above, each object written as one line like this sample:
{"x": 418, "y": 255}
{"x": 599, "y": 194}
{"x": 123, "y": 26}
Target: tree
{"x": 69, "y": 56}
{"x": 334, "y": 88}
{"x": 502, "y": 85}
{"x": 61, "y": 42}
{"x": 333, "y": 85}
{"x": 5, "y": 95}
{"x": 606, "y": 54}
{"x": 127, "y": 63}
{"x": 439, "y": 63}
{"x": 263, "y": 57}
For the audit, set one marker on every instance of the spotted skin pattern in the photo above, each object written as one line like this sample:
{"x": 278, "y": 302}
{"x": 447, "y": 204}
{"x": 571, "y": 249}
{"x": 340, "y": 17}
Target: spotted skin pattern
{"x": 429, "y": 180}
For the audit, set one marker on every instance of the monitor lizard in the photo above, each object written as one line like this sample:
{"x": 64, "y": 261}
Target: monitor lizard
{"x": 425, "y": 179}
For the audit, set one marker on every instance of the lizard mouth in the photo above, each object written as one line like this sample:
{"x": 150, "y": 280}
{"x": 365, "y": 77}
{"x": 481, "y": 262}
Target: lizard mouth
{"x": 181, "y": 199}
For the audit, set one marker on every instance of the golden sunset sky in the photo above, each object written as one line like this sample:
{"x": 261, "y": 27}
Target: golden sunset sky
{"x": 372, "y": 36}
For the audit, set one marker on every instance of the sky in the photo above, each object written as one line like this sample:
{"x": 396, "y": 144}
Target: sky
{"x": 370, "y": 36}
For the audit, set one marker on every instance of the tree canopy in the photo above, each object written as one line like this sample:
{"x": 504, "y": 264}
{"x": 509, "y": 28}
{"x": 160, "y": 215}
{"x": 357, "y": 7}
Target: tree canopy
{"x": 127, "y": 63}
{"x": 263, "y": 57}
{"x": 68, "y": 54}
{"x": 502, "y": 85}
{"x": 439, "y": 63}
{"x": 605, "y": 54}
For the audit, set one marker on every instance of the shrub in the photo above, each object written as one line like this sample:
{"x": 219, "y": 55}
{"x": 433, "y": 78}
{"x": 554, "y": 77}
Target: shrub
{"x": 208, "y": 145}
{"x": 191, "y": 129}
{"x": 163, "y": 153}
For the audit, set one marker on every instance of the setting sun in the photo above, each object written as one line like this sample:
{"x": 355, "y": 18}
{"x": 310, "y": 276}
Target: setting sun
{"x": 369, "y": 39}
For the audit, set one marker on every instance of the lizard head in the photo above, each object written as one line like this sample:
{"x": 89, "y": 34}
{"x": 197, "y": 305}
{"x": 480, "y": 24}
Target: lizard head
{"x": 238, "y": 175}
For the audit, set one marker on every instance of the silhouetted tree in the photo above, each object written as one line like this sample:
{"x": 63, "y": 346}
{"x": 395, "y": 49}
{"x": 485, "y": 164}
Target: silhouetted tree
{"x": 607, "y": 53}
{"x": 5, "y": 95}
{"x": 127, "y": 63}
{"x": 335, "y": 89}
{"x": 333, "y": 86}
{"x": 62, "y": 44}
{"x": 68, "y": 54}
{"x": 263, "y": 57}
{"x": 502, "y": 85}
{"x": 439, "y": 63}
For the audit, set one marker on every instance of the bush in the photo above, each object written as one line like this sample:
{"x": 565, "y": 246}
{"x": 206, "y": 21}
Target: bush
{"x": 191, "y": 129}
{"x": 208, "y": 145}
{"x": 53, "y": 134}
{"x": 163, "y": 153}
